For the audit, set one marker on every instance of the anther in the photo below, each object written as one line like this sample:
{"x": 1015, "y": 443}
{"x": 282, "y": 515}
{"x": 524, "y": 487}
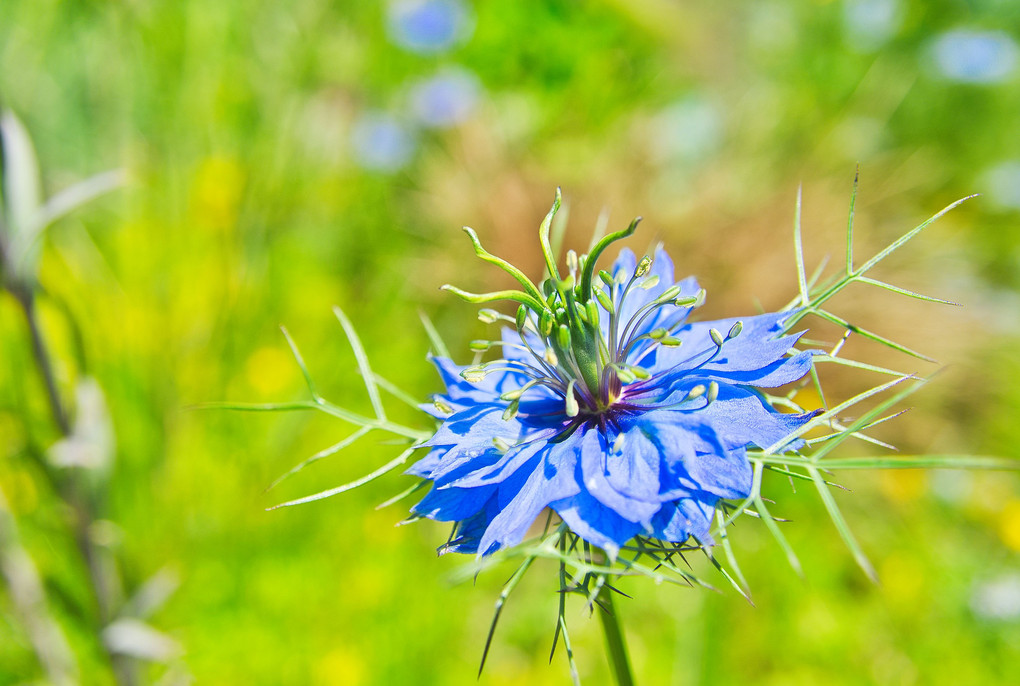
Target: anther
{"x": 545, "y": 322}
{"x": 480, "y": 346}
{"x": 550, "y": 356}
{"x": 522, "y": 317}
{"x": 606, "y": 277}
{"x": 671, "y": 342}
{"x": 571, "y": 405}
{"x": 571, "y": 261}
{"x": 643, "y": 266}
{"x": 716, "y": 337}
{"x": 651, "y": 282}
{"x": 671, "y": 293}
{"x": 624, "y": 375}
{"x": 696, "y": 392}
{"x": 735, "y": 330}
{"x": 488, "y": 315}
{"x": 473, "y": 374}
{"x": 604, "y": 300}
{"x": 713, "y": 393}
{"x": 639, "y": 372}
{"x": 442, "y": 407}
{"x": 511, "y": 410}
{"x": 501, "y": 445}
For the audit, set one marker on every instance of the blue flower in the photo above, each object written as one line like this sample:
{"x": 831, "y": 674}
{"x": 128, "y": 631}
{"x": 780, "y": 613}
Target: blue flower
{"x": 609, "y": 406}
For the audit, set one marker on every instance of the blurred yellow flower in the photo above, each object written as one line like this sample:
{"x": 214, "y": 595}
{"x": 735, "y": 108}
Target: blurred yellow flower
{"x": 1009, "y": 524}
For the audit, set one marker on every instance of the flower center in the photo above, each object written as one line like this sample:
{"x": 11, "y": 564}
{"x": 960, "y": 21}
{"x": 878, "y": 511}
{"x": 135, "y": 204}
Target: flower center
{"x": 584, "y": 339}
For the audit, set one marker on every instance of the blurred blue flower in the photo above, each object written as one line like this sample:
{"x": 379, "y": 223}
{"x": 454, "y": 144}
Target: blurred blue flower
{"x": 627, "y": 420}
{"x": 428, "y": 26}
{"x": 870, "y": 23}
{"x": 1003, "y": 184}
{"x": 686, "y": 131}
{"x": 445, "y": 99}
{"x": 975, "y": 56}
{"x": 381, "y": 143}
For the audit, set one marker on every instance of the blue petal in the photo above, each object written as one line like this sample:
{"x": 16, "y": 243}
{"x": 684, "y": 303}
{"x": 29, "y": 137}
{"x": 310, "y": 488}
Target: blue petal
{"x": 711, "y": 467}
{"x": 514, "y": 458}
{"x": 594, "y": 458}
{"x": 547, "y": 477}
{"x": 476, "y": 425}
{"x": 681, "y": 519}
{"x": 595, "y": 523}
{"x": 453, "y": 504}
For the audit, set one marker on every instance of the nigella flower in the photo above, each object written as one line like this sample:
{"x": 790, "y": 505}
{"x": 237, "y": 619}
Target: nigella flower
{"x": 609, "y": 406}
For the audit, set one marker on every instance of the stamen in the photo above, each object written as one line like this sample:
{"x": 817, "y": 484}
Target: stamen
{"x": 643, "y": 266}
{"x": 713, "y": 393}
{"x": 571, "y": 405}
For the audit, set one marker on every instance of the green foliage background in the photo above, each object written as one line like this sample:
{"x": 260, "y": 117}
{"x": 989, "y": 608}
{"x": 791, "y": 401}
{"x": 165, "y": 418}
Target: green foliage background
{"x": 247, "y": 211}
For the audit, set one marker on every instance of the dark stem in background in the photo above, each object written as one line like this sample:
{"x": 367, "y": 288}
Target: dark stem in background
{"x": 615, "y": 645}
{"x": 102, "y": 577}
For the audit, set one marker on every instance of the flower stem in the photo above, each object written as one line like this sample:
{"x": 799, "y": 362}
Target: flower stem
{"x": 613, "y": 631}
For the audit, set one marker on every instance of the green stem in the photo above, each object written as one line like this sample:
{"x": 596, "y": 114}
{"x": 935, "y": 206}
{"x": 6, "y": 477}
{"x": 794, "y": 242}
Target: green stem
{"x": 613, "y": 632}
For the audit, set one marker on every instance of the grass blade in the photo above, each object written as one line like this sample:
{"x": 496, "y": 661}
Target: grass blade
{"x": 363, "y": 366}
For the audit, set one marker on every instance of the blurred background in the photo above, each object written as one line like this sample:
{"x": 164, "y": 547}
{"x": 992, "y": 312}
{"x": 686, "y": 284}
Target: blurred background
{"x": 283, "y": 157}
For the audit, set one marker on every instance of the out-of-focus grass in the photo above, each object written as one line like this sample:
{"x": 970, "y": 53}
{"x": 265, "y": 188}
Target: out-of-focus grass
{"x": 248, "y": 210}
